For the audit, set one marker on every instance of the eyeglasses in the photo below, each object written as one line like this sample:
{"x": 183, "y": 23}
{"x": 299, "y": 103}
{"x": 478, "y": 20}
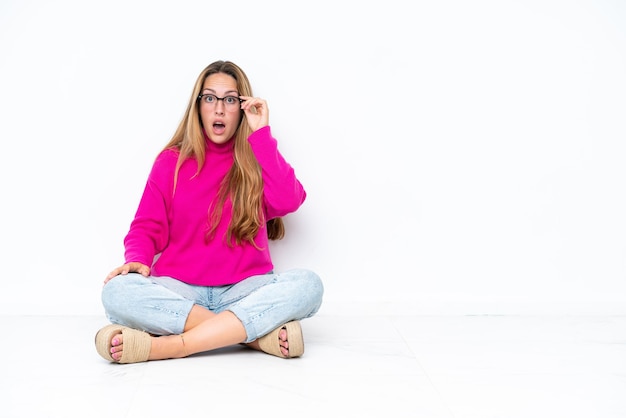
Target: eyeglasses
{"x": 230, "y": 102}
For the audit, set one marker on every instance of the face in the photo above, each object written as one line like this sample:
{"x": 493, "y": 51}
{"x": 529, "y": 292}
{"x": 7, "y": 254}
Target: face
{"x": 219, "y": 117}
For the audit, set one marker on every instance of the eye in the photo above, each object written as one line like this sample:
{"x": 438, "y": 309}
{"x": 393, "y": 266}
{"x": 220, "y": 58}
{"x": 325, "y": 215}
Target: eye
{"x": 209, "y": 98}
{"x": 231, "y": 100}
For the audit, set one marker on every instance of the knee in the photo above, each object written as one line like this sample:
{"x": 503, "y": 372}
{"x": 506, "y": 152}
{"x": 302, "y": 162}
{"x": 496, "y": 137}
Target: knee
{"x": 110, "y": 293}
{"x": 312, "y": 287}
{"x": 116, "y": 292}
{"x": 316, "y": 287}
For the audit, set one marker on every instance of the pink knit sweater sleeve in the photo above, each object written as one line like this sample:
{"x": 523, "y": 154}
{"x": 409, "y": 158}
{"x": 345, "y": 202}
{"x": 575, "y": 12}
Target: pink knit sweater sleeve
{"x": 283, "y": 192}
{"x": 149, "y": 230}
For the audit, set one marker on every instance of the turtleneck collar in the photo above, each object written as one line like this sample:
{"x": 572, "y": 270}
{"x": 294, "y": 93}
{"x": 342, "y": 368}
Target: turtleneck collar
{"x": 224, "y": 148}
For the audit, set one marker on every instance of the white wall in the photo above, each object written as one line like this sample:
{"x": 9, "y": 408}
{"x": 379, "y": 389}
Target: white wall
{"x": 460, "y": 157}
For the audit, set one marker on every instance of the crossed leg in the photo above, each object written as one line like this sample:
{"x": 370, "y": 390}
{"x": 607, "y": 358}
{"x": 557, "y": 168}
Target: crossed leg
{"x": 204, "y": 331}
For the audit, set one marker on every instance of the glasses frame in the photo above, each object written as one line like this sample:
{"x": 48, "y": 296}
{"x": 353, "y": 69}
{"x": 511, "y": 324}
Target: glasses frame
{"x": 200, "y": 96}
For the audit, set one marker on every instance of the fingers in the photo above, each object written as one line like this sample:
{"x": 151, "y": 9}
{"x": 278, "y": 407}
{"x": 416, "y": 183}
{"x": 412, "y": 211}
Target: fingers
{"x": 127, "y": 268}
{"x": 116, "y": 272}
{"x": 249, "y": 102}
{"x": 254, "y": 106}
{"x": 144, "y": 270}
{"x": 256, "y": 110}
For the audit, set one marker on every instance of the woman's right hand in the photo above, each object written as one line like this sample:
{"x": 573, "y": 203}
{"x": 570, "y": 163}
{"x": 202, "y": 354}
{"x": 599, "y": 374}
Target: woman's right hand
{"x": 133, "y": 267}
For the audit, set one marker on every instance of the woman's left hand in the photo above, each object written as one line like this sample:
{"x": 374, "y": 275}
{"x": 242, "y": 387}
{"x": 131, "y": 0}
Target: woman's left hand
{"x": 257, "y": 112}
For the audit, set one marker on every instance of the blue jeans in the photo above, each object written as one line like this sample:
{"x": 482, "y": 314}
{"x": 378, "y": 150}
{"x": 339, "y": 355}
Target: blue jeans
{"x": 160, "y": 305}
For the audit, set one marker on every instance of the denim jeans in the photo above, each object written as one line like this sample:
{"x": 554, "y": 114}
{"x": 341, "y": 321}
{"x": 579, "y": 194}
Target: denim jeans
{"x": 160, "y": 305}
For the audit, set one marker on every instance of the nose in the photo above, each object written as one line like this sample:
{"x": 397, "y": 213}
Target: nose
{"x": 220, "y": 107}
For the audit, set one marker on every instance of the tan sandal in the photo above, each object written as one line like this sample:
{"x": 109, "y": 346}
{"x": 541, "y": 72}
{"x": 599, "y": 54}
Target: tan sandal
{"x": 270, "y": 344}
{"x": 137, "y": 344}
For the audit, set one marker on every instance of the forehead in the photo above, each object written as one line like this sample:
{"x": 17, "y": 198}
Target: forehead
{"x": 220, "y": 82}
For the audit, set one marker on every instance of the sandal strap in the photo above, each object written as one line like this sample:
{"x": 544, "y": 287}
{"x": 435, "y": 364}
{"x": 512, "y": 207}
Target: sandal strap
{"x": 137, "y": 346}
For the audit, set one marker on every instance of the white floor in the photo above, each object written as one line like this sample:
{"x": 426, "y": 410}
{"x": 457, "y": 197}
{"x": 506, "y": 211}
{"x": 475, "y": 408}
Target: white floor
{"x": 393, "y": 366}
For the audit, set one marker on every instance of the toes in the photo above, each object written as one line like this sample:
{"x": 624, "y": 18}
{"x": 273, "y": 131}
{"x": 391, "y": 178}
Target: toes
{"x": 283, "y": 341}
{"x": 117, "y": 346}
{"x": 117, "y": 340}
{"x": 282, "y": 335}
{"x": 284, "y": 348}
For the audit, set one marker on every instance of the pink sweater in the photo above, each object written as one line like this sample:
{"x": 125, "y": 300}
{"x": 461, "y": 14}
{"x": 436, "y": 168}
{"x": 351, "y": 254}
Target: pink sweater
{"x": 175, "y": 226}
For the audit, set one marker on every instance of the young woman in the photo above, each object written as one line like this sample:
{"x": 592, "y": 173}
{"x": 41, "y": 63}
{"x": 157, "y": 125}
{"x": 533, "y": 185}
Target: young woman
{"x": 198, "y": 273}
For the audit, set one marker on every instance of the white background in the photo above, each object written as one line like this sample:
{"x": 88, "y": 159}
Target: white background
{"x": 459, "y": 157}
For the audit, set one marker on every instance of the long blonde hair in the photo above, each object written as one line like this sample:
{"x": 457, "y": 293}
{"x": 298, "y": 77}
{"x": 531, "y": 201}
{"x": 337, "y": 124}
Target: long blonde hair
{"x": 243, "y": 183}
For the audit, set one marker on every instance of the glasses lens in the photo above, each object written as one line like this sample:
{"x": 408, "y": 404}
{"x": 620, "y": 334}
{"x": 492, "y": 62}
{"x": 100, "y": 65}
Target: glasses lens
{"x": 231, "y": 101}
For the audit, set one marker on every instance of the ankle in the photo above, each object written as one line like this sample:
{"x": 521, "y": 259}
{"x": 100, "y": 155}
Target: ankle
{"x": 182, "y": 339}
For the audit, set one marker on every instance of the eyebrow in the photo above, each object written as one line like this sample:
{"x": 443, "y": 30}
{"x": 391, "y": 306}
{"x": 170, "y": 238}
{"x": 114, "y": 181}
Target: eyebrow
{"x": 229, "y": 92}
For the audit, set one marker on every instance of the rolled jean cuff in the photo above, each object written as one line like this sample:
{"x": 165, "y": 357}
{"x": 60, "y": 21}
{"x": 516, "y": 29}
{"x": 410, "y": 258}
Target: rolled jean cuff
{"x": 248, "y": 325}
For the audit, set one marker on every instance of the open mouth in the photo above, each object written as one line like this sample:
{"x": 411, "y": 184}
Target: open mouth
{"x": 219, "y": 127}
